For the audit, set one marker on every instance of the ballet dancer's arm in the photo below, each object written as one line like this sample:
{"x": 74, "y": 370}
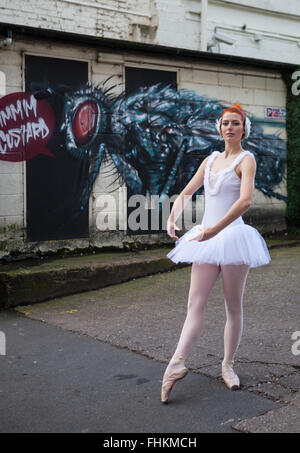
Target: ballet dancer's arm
{"x": 195, "y": 183}
{"x": 248, "y": 170}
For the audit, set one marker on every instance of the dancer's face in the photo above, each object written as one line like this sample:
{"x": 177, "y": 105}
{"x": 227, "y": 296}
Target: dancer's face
{"x": 232, "y": 128}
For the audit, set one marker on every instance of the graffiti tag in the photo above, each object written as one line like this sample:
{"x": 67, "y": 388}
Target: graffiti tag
{"x": 26, "y": 125}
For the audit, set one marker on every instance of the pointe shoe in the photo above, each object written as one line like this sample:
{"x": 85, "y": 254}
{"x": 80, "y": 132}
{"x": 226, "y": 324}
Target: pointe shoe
{"x": 173, "y": 373}
{"x": 229, "y": 377}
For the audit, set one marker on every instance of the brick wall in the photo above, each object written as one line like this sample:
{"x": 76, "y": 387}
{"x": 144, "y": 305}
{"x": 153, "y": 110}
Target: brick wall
{"x": 106, "y": 18}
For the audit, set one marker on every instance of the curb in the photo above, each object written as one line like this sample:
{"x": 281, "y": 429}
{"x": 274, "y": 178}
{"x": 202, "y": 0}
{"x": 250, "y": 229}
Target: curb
{"x": 45, "y": 281}
{"x": 24, "y": 283}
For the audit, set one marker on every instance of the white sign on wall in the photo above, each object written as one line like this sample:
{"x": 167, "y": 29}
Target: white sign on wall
{"x": 275, "y": 112}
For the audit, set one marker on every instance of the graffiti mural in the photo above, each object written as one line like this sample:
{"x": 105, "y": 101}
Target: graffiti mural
{"x": 156, "y": 137}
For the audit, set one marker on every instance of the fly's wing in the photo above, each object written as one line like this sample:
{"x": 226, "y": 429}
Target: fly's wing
{"x": 167, "y": 134}
{"x": 157, "y": 137}
{"x": 270, "y": 155}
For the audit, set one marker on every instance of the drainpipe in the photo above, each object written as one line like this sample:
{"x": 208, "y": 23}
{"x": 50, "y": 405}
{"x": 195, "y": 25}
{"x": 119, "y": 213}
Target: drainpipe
{"x": 203, "y": 25}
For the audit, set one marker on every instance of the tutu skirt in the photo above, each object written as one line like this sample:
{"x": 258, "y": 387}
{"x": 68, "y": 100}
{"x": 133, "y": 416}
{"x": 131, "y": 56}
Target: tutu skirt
{"x": 236, "y": 244}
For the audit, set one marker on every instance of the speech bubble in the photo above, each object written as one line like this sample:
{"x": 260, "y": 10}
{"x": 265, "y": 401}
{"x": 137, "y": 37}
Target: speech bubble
{"x": 26, "y": 125}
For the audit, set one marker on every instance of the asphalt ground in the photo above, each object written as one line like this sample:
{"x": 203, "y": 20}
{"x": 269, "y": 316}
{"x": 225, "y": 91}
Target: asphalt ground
{"x": 93, "y": 362}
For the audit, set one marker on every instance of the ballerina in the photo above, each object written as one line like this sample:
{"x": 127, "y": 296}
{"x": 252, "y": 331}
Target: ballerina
{"x": 223, "y": 243}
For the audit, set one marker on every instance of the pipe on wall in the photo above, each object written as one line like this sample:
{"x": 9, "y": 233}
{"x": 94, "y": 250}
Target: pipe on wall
{"x": 204, "y": 4}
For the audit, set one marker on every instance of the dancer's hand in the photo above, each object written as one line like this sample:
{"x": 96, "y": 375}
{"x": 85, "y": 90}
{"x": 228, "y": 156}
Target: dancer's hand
{"x": 204, "y": 234}
{"x": 171, "y": 227}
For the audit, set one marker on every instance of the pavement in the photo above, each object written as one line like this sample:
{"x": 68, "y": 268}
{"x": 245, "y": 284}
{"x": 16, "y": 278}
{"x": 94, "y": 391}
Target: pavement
{"x": 92, "y": 361}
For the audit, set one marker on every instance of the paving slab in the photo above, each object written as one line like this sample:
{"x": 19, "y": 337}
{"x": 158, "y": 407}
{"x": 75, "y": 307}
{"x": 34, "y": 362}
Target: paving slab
{"x": 286, "y": 419}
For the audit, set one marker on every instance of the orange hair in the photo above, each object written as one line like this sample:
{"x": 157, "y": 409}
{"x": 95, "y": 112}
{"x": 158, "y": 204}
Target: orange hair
{"x": 236, "y": 108}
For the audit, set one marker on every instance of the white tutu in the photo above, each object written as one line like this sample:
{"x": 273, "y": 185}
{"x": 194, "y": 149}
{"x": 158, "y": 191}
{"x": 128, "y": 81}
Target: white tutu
{"x": 236, "y": 244}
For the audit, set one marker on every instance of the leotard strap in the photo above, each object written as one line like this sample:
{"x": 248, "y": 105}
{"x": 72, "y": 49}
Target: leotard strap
{"x": 221, "y": 174}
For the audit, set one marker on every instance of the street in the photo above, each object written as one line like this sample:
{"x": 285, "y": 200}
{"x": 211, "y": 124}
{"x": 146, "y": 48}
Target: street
{"x": 93, "y": 362}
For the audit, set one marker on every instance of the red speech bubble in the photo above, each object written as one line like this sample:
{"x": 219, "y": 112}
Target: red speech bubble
{"x": 26, "y": 124}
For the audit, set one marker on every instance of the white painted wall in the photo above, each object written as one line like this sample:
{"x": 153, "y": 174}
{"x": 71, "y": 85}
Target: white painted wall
{"x": 277, "y": 22}
{"x": 271, "y": 27}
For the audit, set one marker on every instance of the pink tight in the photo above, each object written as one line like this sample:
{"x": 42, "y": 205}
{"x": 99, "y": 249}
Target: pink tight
{"x": 203, "y": 278}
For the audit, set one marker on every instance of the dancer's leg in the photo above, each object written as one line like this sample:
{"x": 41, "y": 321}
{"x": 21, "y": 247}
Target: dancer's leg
{"x": 234, "y": 280}
{"x": 203, "y": 278}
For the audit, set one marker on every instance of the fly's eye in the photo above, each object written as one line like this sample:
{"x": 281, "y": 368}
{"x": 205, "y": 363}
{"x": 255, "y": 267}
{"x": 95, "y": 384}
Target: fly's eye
{"x": 84, "y": 122}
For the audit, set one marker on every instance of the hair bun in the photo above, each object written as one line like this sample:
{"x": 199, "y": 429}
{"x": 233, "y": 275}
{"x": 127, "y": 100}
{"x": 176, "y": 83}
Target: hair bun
{"x": 238, "y": 106}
